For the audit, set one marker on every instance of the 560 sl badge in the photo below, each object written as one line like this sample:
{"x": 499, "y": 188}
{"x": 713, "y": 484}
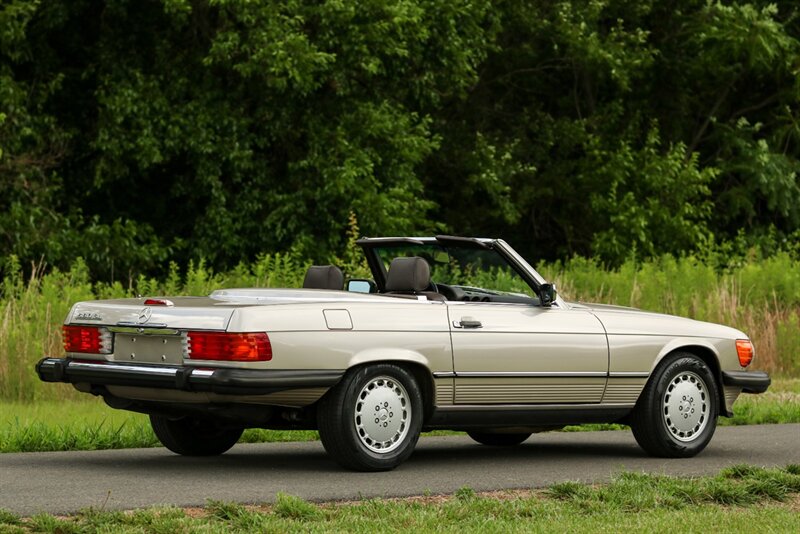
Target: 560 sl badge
{"x": 88, "y": 316}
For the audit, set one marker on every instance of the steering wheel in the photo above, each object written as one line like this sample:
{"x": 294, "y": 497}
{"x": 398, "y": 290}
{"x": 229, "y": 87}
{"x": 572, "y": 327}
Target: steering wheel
{"x": 451, "y": 292}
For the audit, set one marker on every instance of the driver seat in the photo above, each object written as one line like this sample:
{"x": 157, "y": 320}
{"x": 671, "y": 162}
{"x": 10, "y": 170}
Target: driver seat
{"x": 410, "y": 277}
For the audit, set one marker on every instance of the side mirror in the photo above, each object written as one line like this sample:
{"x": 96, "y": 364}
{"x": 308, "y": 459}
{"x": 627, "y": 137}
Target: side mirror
{"x": 361, "y": 285}
{"x": 547, "y": 294}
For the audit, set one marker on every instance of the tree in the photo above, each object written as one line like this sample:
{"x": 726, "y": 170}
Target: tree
{"x": 135, "y": 132}
{"x": 613, "y": 127}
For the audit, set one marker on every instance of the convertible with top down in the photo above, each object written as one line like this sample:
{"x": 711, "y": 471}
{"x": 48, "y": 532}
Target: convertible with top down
{"x": 449, "y": 333}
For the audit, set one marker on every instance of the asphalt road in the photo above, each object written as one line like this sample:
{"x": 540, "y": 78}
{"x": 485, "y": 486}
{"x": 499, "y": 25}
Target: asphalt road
{"x": 62, "y": 482}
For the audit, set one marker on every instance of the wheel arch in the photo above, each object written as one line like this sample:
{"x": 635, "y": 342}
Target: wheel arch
{"x": 414, "y": 362}
{"x": 705, "y": 352}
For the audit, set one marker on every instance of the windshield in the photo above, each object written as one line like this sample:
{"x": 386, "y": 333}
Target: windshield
{"x": 478, "y": 272}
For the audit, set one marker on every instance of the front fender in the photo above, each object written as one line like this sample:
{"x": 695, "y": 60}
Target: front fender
{"x": 715, "y": 350}
{"x": 685, "y": 343}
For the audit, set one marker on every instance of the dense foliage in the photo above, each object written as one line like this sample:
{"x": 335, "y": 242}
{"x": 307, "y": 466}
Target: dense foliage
{"x": 132, "y": 132}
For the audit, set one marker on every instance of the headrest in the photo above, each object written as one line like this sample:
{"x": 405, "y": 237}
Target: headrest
{"x": 408, "y": 274}
{"x": 324, "y": 277}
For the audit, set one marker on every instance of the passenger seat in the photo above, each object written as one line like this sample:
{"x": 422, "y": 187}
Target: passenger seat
{"x": 324, "y": 277}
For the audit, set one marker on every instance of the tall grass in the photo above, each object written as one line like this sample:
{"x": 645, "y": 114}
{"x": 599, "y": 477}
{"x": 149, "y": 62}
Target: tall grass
{"x": 31, "y": 313}
{"x": 760, "y": 297}
{"x": 33, "y": 309}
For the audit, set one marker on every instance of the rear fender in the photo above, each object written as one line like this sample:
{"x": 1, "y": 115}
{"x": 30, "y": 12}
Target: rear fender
{"x": 384, "y": 355}
{"x": 415, "y": 362}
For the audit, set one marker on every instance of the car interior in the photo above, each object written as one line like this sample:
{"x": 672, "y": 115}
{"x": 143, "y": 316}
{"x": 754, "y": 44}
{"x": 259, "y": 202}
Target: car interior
{"x": 410, "y": 277}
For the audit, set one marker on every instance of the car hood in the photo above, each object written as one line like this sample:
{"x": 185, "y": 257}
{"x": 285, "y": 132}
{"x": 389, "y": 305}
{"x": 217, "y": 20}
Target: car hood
{"x": 622, "y": 320}
{"x": 603, "y": 307}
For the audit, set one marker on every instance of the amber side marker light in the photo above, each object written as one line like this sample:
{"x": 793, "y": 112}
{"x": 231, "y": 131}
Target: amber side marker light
{"x": 744, "y": 349}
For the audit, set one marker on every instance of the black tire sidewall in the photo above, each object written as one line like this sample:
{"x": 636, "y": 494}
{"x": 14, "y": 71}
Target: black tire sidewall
{"x": 678, "y": 364}
{"x": 366, "y": 458}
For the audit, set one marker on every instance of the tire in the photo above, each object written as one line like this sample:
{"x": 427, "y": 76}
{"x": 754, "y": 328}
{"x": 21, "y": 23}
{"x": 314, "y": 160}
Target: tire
{"x": 192, "y": 436}
{"x": 676, "y": 415}
{"x": 499, "y": 439}
{"x": 371, "y": 420}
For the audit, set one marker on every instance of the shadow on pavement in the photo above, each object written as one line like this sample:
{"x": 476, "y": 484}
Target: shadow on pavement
{"x": 311, "y": 457}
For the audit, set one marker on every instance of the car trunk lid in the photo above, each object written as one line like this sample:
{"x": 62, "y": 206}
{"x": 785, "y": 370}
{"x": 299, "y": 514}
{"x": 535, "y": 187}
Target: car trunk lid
{"x": 200, "y": 313}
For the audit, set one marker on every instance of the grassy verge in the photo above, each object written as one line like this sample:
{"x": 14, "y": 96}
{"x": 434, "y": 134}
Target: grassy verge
{"x": 779, "y": 404}
{"x": 739, "y": 499}
{"x": 89, "y": 424}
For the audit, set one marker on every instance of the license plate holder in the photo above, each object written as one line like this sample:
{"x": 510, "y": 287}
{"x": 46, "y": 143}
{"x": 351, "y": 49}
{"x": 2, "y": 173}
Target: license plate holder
{"x": 154, "y": 349}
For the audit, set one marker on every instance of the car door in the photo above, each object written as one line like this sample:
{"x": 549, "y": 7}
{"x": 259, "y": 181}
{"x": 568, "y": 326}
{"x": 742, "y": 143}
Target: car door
{"x": 524, "y": 354}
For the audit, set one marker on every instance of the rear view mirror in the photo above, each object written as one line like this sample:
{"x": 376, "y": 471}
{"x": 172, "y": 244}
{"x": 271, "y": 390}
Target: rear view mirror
{"x": 547, "y": 294}
{"x": 361, "y": 285}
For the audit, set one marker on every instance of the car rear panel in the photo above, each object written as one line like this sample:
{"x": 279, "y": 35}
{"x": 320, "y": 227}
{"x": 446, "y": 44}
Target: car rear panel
{"x": 150, "y": 334}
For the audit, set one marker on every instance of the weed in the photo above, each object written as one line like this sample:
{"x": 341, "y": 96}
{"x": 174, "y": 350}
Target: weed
{"x": 569, "y": 490}
{"x": 465, "y": 493}
{"x": 8, "y": 518}
{"x": 741, "y": 471}
{"x": 291, "y": 507}
{"x": 48, "y": 523}
{"x": 225, "y": 511}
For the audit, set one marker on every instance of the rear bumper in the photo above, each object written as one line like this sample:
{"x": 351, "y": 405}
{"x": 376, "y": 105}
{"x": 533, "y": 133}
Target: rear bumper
{"x": 223, "y": 381}
{"x": 750, "y": 382}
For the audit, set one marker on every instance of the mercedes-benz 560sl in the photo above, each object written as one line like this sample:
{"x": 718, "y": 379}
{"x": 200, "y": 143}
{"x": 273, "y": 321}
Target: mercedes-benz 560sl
{"x": 449, "y": 333}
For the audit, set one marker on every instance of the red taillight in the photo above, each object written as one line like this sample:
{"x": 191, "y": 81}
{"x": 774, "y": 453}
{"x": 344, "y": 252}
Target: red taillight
{"x": 744, "y": 349}
{"x": 82, "y": 339}
{"x": 234, "y": 347}
{"x": 158, "y": 302}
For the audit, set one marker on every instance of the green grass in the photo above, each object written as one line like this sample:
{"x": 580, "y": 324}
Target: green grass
{"x": 88, "y": 424}
{"x": 779, "y": 404}
{"x": 739, "y": 499}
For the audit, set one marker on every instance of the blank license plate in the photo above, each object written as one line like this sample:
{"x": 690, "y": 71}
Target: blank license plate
{"x": 148, "y": 349}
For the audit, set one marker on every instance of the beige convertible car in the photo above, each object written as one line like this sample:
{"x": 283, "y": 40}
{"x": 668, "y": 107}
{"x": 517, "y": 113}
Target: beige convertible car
{"x": 450, "y": 333}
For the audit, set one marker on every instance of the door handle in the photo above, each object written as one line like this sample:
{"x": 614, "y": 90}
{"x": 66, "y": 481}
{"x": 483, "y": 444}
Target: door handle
{"x": 469, "y": 322}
